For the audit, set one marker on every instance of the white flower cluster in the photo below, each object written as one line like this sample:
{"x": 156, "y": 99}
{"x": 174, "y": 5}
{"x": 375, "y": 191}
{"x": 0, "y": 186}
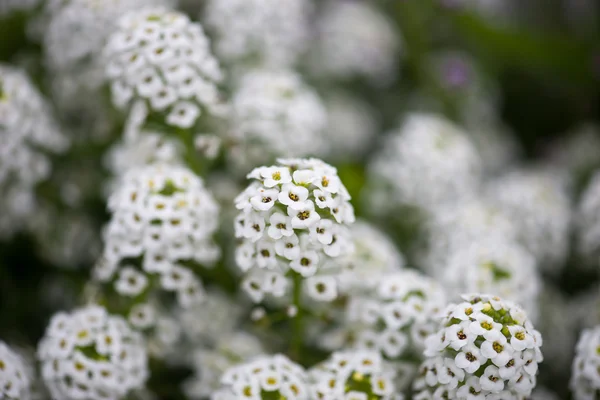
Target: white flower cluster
{"x": 210, "y": 364}
{"x": 374, "y": 255}
{"x": 578, "y": 151}
{"x": 351, "y": 126}
{"x": 585, "y": 377}
{"x": 292, "y": 217}
{"x": 89, "y": 354}
{"x": 259, "y": 32}
{"x": 355, "y": 40}
{"x": 27, "y": 134}
{"x": 588, "y": 221}
{"x": 266, "y": 377}
{"x": 162, "y": 59}
{"x": 398, "y": 316}
{"x": 274, "y": 113}
{"x": 501, "y": 267}
{"x": 428, "y": 162}
{"x": 485, "y": 347}
{"x": 353, "y": 375}
{"x": 165, "y": 216}
{"x": 14, "y": 377}
{"x": 539, "y": 204}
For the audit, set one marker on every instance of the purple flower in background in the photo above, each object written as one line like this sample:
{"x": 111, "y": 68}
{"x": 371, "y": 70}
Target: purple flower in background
{"x": 456, "y": 72}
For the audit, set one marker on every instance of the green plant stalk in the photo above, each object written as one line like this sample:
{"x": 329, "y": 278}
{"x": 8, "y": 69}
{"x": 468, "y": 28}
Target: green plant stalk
{"x": 297, "y": 323}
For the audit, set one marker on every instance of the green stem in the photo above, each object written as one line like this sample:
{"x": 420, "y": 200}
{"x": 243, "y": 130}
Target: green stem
{"x": 297, "y": 324}
{"x": 192, "y": 158}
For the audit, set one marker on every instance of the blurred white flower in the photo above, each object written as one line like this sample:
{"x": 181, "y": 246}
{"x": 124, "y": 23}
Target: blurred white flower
{"x": 355, "y": 39}
{"x": 14, "y": 375}
{"x": 259, "y": 32}
{"x": 28, "y": 135}
{"x": 585, "y": 378}
{"x": 588, "y": 222}
{"x": 89, "y": 354}
{"x": 274, "y": 113}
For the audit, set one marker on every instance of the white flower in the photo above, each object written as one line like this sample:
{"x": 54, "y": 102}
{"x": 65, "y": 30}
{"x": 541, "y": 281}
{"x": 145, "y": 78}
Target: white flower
{"x": 281, "y": 229}
{"x": 28, "y": 133}
{"x": 108, "y": 358}
{"x": 14, "y": 375}
{"x": 272, "y": 376}
{"x": 488, "y": 364}
{"x": 164, "y": 215}
{"x": 353, "y": 375}
{"x": 274, "y": 113}
{"x": 585, "y": 377}
{"x": 273, "y": 34}
{"x": 355, "y": 39}
{"x": 322, "y": 288}
{"x": 161, "y": 58}
{"x": 427, "y": 162}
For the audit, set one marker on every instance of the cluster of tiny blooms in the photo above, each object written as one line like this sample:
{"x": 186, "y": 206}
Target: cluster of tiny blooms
{"x": 293, "y": 217}
{"x": 588, "y": 221}
{"x": 210, "y": 363}
{"x": 585, "y": 377}
{"x": 14, "y": 378}
{"x": 401, "y": 312}
{"x": 494, "y": 266}
{"x": 486, "y": 348}
{"x": 266, "y": 377}
{"x": 164, "y": 215}
{"x": 538, "y": 202}
{"x": 353, "y": 375}
{"x": 428, "y": 162}
{"x": 162, "y": 59}
{"x": 89, "y": 354}
{"x": 28, "y": 134}
{"x": 355, "y": 40}
{"x": 274, "y": 113}
{"x": 374, "y": 255}
{"x": 258, "y": 32}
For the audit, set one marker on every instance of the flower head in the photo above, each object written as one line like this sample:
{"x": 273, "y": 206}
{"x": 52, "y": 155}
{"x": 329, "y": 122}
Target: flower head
{"x": 485, "y": 346}
{"x": 293, "y": 217}
{"x": 14, "y": 375}
{"x": 90, "y": 354}
{"x": 585, "y": 378}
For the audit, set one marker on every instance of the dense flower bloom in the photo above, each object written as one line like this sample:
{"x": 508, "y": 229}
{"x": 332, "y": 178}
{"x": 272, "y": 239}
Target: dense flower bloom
{"x": 163, "y": 219}
{"x": 485, "y": 347}
{"x": 494, "y": 266}
{"x": 265, "y": 377}
{"x": 355, "y": 40}
{"x": 89, "y": 354}
{"x": 374, "y": 255}
{"x": 258, "y": 32}
{"x": 161, "y": 59}
{"x": 539, "y": 203}
{"x": 210, "y": 363}
{"x": 293, "y": 217}
{"x": 588, "y": 221}
{"x": 585, "y": 378}
{"x": 274, "y": 113}
{"x": 426, "y": 163}
{"x": 14, "y": 376}
{"x": 353, "y": 375}
{"x": 28, "y": 133}
{"x": 397, "y": 317}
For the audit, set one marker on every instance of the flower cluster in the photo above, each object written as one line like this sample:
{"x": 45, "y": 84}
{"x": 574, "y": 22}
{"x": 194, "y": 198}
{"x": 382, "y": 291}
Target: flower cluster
{"x": 401, "y": 312}
{"x": 210, "y": 364}
{"x": 14, "y": 377}
{"x": 486, "y": 347}
{"x": 588, "y": 221}
{"x": 163, "y": 60}
{"x": 585, "y": 378}
{"x": 353, "y": 375}
{"x": 89, "y": 354}
{"x": 355, "y": 40}
{"x": 293, "y": 217}
{"x": 374, "y": 255}
{"x": 28, "y": 133}
{"x": 276, "y": 113}
{"x": 539, "y": 204}
{"x": 428, "y": 162}
{"x": 266, "y": 377}
{"x": 163, "y": 219}
{"x": 259, "y": 32}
